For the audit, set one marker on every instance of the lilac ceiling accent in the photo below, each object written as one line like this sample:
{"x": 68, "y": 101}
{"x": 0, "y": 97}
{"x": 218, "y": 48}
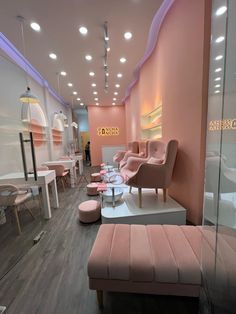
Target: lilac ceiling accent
{"x": 151, "y": 44}
{"x": 11, "y": 51}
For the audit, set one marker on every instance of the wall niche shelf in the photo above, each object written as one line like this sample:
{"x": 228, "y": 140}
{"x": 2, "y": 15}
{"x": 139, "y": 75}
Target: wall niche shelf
{"x": 38, "y": 131}
{"x": 151, "y": 124}
{"x": 57, "y": 136}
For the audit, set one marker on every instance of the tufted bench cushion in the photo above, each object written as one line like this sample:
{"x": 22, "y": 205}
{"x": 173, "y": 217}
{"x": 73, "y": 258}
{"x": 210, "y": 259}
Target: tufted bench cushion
{"x": 156, "y": 259}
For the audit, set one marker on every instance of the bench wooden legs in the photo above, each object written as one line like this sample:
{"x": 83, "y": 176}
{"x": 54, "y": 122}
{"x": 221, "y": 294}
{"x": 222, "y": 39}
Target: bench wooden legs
{"x": 164, "y": 194}
{"x": 100, "y": 298}
{"x": 140, "y": 197}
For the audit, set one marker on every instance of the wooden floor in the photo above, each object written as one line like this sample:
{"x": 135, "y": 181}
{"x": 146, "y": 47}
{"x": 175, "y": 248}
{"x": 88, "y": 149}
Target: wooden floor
{"x": 51, "y": 276}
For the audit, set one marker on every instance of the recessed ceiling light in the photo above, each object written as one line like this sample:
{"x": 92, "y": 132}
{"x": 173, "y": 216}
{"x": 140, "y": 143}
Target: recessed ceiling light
{"x": 117, "y": 85}
{"x": 108, "y": 49}
{"x": 91, "y": 73}
{"x": 119, "y": 75}
{"x": 107, "y": 74}
{"x": 114, "y": 99}
{"x": 115, "y": 93}
{"x": 106, "y": 38}
{"x": 96, "y": 99}
{"x": 122, "y": 60}
{"x": 83, "y": 30}
{"x": 217, "y": 92}
{"x": 75, "y": 93}
{"x": 35, "y": 26}
{"x": 218, "y": 70}
{"x": 97, "y": 104}
{"x": 78, "y": 99}
{"x": 217, "y": 86}
{"x": 63, "y": 73}
{"x": 220, "y": 39}
{"x": 95, "y": 93}
{"x": 81, "y": 104}
{"x": 88, "y": 57}
{"x": 221, "y": 10}
{"x": 113, "y": 103}
{"x": 218, "y": 79}
{"x": 70, "y": 84}
{"x": 93, "y": 85}
{"x": 220, "y": 57}
{"x": 53, "y": 56}
{"x": 128, "y": 35}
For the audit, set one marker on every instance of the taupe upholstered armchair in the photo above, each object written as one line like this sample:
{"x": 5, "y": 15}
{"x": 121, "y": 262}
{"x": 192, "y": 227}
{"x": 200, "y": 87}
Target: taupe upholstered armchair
{"x": 132, "y": 148}
{"x": 142, "y": 153}
{"x": 152, "y": 172}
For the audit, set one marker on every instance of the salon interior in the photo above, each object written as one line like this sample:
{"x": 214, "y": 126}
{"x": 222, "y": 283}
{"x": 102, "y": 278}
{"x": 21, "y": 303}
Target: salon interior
{"x": 117, "y": 156}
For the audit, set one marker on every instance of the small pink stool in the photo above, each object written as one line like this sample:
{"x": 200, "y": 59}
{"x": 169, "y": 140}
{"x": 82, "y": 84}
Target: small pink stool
{"x": 89, "y": 211}
{"x": 96, "y": 177}
{"x": 92, "y": 189}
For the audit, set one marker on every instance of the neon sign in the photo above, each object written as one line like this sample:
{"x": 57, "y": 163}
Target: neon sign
{"x": 108, "y": 131}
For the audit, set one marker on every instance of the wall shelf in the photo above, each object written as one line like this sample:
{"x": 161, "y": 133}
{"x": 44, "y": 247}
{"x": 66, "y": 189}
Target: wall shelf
{"x": 151, "y": 124}
{"x": 57, "y": 136}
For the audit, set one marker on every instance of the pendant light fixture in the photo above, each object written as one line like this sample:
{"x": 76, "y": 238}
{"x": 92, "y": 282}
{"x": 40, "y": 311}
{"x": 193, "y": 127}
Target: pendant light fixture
{"x": 27, "y": 97}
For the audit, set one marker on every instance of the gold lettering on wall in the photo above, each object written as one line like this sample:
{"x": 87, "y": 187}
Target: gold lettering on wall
{"x": 108, "y": 131}
{"x": 226, "y": 124}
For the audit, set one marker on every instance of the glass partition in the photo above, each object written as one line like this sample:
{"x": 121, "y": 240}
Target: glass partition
{"x": 16, "y": 119}
{"x": 219, "y": 236}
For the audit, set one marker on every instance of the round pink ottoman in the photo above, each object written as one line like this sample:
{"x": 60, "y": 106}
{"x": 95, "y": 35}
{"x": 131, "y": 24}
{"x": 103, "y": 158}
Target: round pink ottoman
{"x": 89, "y": 211}
{"x": 96, "y": 177}
{"x": 92, "y": 189}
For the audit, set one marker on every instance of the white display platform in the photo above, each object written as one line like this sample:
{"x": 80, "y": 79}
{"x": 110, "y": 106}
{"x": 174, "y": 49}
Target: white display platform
{"x": 154, "y": 210}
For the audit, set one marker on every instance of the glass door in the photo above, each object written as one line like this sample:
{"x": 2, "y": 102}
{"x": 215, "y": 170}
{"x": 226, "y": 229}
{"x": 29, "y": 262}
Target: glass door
{"x": 18, "y": 123}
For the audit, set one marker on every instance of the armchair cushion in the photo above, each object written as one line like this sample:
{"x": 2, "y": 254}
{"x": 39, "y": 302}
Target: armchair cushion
{"x": 155, "y": 161}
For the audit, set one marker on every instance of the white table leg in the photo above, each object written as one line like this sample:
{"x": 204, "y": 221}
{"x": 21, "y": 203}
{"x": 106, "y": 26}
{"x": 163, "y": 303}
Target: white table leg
{"x": 75, "y": 173}
{"x": 81, "y": 166}
{"x": 46, "y": 202}
{"x": 54, "y": 193}
{"x": 72, "y": 177}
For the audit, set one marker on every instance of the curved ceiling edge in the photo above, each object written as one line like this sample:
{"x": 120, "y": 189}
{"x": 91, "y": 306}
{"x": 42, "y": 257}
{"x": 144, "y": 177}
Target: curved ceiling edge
{"x": 151, "y": 44}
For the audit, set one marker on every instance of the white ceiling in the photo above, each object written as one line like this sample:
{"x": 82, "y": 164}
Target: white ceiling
{"x": 60, "y": 20}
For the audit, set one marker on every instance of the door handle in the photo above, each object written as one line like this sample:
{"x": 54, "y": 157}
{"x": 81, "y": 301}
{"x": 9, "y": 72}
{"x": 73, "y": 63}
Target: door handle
{"x": 23, "y": 156}
{"x": 22, "y": 142}
{"x": 33, "y": 156}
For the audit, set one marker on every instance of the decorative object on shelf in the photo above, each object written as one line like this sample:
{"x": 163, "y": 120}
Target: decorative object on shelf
{"x": 75, "y": 125}
{"x": 151, "y": 124}
{"x": 61, "y": 116}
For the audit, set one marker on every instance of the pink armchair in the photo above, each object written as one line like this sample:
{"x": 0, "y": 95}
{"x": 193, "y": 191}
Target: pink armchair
{"x": 142, "y": 153}
{"x": 154, "y": 171}
{"x": 132, "y": 148}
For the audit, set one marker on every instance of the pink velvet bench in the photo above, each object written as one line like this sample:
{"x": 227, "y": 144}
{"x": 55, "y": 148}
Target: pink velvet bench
{"x": 152, "y": 259}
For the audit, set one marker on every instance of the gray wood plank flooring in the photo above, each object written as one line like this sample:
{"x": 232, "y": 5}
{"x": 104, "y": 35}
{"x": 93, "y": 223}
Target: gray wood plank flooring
{"x": 52, "y": 275}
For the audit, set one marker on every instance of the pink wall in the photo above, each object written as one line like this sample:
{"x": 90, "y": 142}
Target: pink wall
{"x": 132, "y": 109}
{"x": 176, "y": 75}
{"x": 112, "y": 116}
